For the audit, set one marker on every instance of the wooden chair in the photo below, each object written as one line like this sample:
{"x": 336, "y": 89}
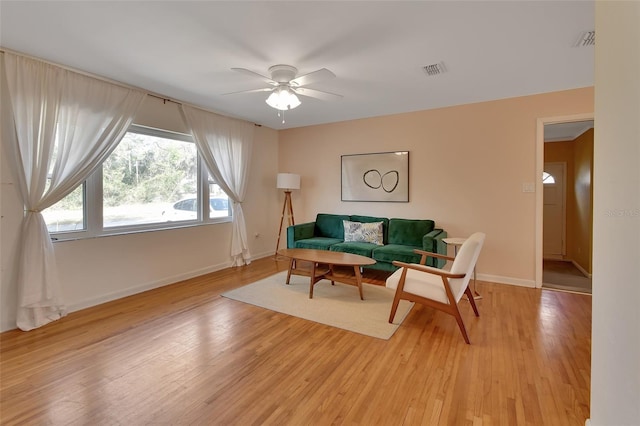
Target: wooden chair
{"x": 438, "y": 288}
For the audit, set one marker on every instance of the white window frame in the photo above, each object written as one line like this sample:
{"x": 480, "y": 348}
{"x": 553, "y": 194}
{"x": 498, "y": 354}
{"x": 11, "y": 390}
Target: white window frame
{"x": 93, "y": 200}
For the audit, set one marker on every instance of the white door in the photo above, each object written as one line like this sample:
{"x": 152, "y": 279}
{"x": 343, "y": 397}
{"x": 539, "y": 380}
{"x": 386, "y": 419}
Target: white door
{"x": 553, "y": 225}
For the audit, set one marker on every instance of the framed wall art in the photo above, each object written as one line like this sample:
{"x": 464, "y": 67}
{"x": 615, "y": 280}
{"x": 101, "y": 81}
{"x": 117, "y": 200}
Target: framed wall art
{"x": 382, "y": 176}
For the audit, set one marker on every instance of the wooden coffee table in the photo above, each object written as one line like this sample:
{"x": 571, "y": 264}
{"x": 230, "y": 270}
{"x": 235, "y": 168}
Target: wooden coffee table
{"x": 322, "y": 266}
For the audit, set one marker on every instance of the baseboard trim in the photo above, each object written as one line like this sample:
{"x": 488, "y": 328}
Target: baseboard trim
{"x": 553, "y": 257}
{"x": 104, "y": 298}
{"x": 581, "y": 269}
{"x": 507, "y": 280}
{"x": 88, "y": 303}
{"x": 109, "y": 297}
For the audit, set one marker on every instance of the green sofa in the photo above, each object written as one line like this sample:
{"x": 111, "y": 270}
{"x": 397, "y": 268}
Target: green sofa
{"x": 399, "y": 238}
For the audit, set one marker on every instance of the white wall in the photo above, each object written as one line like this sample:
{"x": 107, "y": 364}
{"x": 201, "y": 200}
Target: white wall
{"x": 615, "y": 354}
{"x": 96, "y": 270}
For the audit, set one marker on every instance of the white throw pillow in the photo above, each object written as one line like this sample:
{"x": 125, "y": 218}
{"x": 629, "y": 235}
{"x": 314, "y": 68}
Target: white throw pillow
{"x": 363, "y": 232}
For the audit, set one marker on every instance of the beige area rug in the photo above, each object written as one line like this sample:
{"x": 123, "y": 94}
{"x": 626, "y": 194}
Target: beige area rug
{"x": 338, "y": 306}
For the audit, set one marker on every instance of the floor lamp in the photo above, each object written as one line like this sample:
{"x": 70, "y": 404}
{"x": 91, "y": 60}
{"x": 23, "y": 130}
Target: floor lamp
{"x": 288, "y": 182}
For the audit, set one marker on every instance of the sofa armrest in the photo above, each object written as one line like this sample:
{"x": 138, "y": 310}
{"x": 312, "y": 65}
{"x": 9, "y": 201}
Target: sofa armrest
{"x": 299, "y": 232}
{"x": 432, "y": 242}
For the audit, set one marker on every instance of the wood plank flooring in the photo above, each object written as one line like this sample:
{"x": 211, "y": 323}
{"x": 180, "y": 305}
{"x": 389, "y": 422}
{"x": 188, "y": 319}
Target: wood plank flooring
{"x": 183, "y": 355}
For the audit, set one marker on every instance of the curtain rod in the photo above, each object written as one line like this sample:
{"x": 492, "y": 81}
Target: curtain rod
{"x": 115, "y": 82}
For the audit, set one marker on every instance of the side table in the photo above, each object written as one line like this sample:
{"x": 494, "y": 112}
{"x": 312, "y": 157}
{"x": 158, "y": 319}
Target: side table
{"x": 457, "y": 242}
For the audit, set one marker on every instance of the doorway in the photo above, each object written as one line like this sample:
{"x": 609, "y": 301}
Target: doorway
{"x": 564, "y": 203}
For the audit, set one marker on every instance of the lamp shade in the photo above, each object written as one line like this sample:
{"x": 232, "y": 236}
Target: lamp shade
{"x": 283, "y": 99}
{"x": 288, "y": 181}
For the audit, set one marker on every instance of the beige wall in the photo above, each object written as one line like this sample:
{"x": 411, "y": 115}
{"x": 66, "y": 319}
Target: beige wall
{"x": 578, "y": 156}
{"x": 582, "y": 226}
{"x": 96, "y": 270}
{"x": 467, "y": 167}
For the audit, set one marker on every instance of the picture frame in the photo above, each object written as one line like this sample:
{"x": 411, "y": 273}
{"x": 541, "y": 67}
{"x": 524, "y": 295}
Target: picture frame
{"x": 378, "y": 177}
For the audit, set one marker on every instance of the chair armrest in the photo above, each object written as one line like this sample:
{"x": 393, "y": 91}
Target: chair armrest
{"x": 300, "y": 232}
{"x": 431, "y": 254}
{"x": 427, "y": 269}
{"x": 432, "y": 243}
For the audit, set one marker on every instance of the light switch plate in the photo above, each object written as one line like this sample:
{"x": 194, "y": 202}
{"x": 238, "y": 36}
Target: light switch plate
{"x": 528, "y": 187}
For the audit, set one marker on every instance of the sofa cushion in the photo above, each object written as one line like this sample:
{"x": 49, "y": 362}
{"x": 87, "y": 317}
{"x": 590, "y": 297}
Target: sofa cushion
{"x": 369, "y": 219}
{"x": 363, "y": 232}
{"x": 409, "y": 232}
{"x": 363, "y": 249}
{"x": 392, "y": 252}
{"x": 318, "y": 243}
{"x": 330, "y": 225}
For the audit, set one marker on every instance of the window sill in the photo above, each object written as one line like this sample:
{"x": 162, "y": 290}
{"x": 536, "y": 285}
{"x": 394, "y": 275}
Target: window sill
{"x": 113, "y": 232}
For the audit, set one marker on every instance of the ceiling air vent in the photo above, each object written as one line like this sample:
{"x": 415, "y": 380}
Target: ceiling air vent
{"x": 434, "y": 69}
{"x": 588, "y": 38}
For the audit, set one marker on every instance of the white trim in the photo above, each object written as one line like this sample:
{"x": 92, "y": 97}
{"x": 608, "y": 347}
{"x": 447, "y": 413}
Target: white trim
{"x": 155, "y": 284}
{"x": 553, "y": 257}
{"x": 88, "y": 303}
{"x": 497, "y": 279}
{"x": 95, "y": 301}
{"x": 581, "y": 269}
{"x": 539, "y": 188}
{"x": 104, "y": 298}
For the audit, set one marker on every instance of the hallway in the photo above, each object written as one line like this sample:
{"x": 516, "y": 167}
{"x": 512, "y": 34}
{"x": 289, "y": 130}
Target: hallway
{"x": 562, "y": 275}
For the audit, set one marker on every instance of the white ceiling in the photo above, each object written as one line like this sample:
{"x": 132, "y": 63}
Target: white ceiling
{"x": 561, "y": 132}
{"x": 184, "y": 50}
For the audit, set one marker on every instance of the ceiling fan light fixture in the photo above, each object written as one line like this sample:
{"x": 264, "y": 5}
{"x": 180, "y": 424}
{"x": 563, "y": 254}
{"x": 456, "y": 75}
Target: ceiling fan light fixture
{"x": 283, "y": 99}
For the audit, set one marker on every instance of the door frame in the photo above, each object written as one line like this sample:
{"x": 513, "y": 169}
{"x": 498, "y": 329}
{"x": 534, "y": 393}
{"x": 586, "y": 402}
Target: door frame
{"x": 539, "y": 188}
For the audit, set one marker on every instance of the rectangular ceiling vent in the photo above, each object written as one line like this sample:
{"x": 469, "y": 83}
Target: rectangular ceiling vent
{"x": 588, "y": 38}
{"x": 434, "y": 69}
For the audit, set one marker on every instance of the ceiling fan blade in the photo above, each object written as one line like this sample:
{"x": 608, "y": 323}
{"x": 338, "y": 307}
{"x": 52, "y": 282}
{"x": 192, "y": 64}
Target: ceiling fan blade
{"x": 312, "y": 77}
{"x": 265, "y": 89}
{"x": 256, "y": 75}
{"x": 318, "y": 94}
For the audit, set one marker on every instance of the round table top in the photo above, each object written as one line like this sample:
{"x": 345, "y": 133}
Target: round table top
{"x": 454, "y": 241}
{"x": 326, "y": 256}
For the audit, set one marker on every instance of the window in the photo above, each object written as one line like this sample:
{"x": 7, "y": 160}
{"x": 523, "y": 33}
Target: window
{"x": 154, "y": 179}
{"x": 144, "y": 176}
{"x": 547, "y": 179}
{"x": 68, "y": 214}
{"x": 218, "y": 200}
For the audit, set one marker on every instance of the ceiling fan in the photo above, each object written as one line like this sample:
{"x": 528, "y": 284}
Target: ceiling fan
{"x": 284, "y": 85}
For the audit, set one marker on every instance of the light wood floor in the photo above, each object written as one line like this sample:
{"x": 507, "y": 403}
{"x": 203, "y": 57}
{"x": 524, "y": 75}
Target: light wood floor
{"x": 183, "y": 355}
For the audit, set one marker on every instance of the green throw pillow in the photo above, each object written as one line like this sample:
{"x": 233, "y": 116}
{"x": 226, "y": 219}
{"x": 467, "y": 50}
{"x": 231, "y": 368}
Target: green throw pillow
{"x": 363, "y": 232}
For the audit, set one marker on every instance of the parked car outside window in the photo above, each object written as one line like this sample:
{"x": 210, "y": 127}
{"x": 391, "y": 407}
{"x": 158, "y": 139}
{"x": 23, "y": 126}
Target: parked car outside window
{"x": 187, "y": 209}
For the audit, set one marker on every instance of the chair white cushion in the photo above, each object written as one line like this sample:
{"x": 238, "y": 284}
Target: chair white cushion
{"x": 429, "y": 285}
{"x": 421, "y": 284}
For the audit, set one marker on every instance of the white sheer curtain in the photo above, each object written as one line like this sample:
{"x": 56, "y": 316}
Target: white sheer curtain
{"x": 58, "y": 126}
{"x": 225, "y": 145}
